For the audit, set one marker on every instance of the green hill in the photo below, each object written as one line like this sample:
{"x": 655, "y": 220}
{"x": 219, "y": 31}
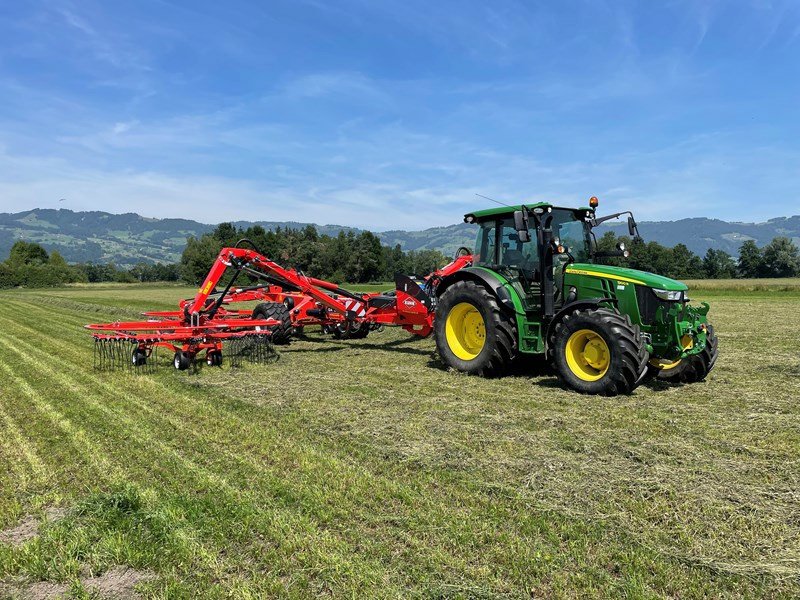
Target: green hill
{"x": 130, "y": 238}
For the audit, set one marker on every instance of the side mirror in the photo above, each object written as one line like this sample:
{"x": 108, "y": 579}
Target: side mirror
{"x": 521, "y": 225}
{"x": 632, "y": 230}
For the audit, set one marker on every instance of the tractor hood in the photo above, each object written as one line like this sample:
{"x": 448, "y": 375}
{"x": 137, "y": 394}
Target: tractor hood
{"x": 628, "y": 275}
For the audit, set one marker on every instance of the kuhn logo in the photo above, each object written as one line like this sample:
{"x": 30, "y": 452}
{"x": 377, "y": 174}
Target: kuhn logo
{"x": 410, "y": 302}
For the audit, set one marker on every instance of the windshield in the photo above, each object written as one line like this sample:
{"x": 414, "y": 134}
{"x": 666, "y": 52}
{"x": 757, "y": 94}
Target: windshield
{"x": 574, "y": 233}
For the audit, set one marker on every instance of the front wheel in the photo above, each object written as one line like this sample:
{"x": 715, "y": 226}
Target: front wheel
{"x": 598, "y": 351}
{"x": 691, "y": 369}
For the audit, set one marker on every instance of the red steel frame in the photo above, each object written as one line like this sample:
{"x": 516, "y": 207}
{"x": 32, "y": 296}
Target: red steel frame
{"x": 203, "y": 322}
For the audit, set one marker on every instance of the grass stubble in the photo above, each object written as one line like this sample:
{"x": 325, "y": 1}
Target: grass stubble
{"x": 362, "y": 468}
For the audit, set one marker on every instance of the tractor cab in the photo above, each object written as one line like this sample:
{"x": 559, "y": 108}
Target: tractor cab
{"x": 531, "y": 245}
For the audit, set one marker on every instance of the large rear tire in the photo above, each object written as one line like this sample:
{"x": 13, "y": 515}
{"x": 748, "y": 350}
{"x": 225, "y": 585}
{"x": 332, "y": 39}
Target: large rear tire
{"x": 281, "y": 334}
{"x": 598, "y": 351}
{"x": 691, "y": 369}
{"x": 473, "y": 334}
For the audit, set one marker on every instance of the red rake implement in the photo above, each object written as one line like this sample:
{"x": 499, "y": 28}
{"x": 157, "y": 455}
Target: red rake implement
{"x": 134, "y": 345}
{"x": 206, "y": 327}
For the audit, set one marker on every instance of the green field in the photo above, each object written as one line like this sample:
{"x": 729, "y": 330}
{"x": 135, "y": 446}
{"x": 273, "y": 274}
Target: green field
{"x": 363, "y": 469}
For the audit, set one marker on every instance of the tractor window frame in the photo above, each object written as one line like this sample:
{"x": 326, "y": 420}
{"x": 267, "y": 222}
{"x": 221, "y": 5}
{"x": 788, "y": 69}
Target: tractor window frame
{"x": 491, "y": 252}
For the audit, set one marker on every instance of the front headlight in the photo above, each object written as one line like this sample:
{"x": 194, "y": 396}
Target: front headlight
{"x": 668, "y": 295}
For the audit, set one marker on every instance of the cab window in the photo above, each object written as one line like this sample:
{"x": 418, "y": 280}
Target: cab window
{"x": 498, "y": 243}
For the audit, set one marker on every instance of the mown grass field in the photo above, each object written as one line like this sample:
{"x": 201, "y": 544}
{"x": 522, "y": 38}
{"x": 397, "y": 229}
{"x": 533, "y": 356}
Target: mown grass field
{"x": 363, "y": 469}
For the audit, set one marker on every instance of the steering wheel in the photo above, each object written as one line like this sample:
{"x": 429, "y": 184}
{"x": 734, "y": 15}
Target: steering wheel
{"x": 462, "y": 251}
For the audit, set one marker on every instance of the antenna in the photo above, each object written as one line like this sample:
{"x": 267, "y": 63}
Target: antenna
{"x": 493, "y": 200}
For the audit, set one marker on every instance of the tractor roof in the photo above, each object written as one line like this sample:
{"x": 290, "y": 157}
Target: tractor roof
{"x": 480, "y": 215}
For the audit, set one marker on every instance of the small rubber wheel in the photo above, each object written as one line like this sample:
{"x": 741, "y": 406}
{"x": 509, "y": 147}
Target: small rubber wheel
{"x": 139, "y": 357}
{"x": 350, "y": 331}
{"x": 181, "y": 361}
{"x": 214, "y": 358}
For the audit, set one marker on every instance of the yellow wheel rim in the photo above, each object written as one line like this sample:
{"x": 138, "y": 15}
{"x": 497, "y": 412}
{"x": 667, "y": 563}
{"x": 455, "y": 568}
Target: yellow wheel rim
{"x": 465, "y": 331}
{"x": 588, "y": 356}
{"x": 687, "y": 342}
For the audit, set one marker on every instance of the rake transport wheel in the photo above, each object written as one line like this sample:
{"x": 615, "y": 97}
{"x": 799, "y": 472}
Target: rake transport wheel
{"x": 182, "y": 360}
{"x": 691, "y": 369}
{"x": 138, "y": 357}
{"x": 214, "y": 358}
{"x": 473, "y": 334}
{"x": 350, "y": 331}
{"x": 282, "y": 333}
{"x": 598, "y": 351}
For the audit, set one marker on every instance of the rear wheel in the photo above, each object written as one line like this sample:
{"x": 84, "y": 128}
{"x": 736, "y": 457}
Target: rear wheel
{"x": 598, "y": 351}
{"x": 282, "y": 332}
{"x": 214, "y": 358}
{"x": 691, "y": 369}
{"x": 473, "y": 334}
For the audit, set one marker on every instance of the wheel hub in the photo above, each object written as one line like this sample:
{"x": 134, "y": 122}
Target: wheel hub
{"x": 465, "y": 331}
{"x": 587, "y": 355}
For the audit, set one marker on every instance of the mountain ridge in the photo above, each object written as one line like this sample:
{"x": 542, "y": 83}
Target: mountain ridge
{"x": 128, "y": 238}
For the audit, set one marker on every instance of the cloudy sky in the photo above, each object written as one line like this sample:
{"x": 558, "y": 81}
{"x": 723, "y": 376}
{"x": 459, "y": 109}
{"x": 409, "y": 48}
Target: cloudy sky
{"x": 395, "y": 114}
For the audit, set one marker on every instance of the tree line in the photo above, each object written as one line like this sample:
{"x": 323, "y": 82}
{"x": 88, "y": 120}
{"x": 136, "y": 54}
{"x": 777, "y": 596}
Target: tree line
{"x": 779, "y": 258}
{"x": 346, "y": 257}
{"x": 360, "y": 258}
{"x": 30, "y": 265}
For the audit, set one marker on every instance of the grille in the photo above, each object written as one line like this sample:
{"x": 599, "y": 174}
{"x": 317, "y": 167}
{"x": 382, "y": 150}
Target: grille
{"x": 649, "y": 303}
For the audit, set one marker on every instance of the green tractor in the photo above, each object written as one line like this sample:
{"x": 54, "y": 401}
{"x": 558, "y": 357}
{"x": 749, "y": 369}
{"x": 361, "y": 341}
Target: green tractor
{"x": 535, "y": 288}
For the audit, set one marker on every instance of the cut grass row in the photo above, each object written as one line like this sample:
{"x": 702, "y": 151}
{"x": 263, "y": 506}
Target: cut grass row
{"x": 361, "y": 468}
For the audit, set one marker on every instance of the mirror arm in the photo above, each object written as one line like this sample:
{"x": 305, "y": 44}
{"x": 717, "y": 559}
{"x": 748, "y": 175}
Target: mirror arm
{"x": 596, "y": 222}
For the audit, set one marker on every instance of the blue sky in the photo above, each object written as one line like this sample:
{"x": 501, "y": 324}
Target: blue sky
{"x": 395, "y": 114}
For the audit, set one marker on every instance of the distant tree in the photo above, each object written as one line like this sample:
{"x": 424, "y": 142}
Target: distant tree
{"x": 608, "y": 243}
{"x": 227, "y": 234}
{"x": 8, "y": 276}
{"x": 751, "y": 261}
{"x": 395, "y": 262}
{"x": 422, "y": 262}
{"x": 198, "y": 256}
{"x": 718, "y": 264}
{"x": 27, "y": 253}
{"x": 781, "y": 258}
{"x": 684, "y": 263}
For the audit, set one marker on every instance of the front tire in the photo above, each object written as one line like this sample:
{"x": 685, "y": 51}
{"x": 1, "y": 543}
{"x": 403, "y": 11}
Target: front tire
{"x": 598, "y": 351}
{"x": 473, "y": 334}
{"x": 691, "y": 369}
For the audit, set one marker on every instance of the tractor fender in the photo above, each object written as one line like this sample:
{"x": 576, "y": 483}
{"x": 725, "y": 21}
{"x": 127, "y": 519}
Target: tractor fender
{"x": 573, "y": 306}
{"x": 492, "y": 283}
